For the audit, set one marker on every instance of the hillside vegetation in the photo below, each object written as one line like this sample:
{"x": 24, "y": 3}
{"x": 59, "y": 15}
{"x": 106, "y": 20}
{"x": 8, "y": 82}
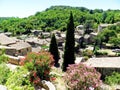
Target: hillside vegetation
{"x": 56, "y": 17}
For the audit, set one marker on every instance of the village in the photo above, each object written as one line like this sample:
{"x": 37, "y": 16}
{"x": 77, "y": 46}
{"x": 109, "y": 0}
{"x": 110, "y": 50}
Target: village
{"x": 17, "y": 48}
{"x": 60, "y": 45}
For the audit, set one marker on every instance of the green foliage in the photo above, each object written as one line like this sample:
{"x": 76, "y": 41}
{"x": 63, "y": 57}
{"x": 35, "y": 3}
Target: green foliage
{"x": 56, "y": 17}
{"x": 115, "y": 41}
{"x": 118, "y": 54}
{"x": 19, "y": 80}
{"x": 88, "y": 53}
{"x": 88, "y": 25}
{"x": 104, "y": 16}
{"x": 108, "y": 34}
{"x": 86, "y": 58}
{"x": 113, "y": 79}
{"x": 101, "y": 53}
{"x": 69, "y": 53}
{"x": 4, "y": 73}
{"x": 3, "y": 57}
{"x": 44, "y": 47}
{"x": 53, "y": 49}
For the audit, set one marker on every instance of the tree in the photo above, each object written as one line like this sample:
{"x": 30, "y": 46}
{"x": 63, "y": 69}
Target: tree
{"x": 88, "y": 25}
{"x": 108, "y": 34}
{"x": 115, "y": 41}
{"x": 53, "y": 49}
{"x": 104, "y": 16}
{"x": 69, "y": 56}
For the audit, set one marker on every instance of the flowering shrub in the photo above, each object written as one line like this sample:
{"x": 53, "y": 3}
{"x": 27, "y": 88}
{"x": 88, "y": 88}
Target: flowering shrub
{"x": 82, "y": 77}
{"x": 39, "y": 65}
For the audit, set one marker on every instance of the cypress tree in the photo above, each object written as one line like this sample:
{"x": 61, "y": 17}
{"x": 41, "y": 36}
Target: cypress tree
{"x": 69, "y": 56}
{"x": 53, "y": 49}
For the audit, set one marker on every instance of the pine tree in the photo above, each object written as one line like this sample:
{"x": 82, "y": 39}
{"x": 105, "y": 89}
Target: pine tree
{"x": 69, "y": 56}
{"x": 53, "y": 49}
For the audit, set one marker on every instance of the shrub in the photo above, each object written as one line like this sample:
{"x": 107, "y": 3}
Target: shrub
{"x": 19, "y": 80}
{"x": 3, "y": 59}
{"x": 88, "y": 53}
{"x": 4, "y": 73}
{"x": 118, "y": 54}
{"x": 85, "y": 58}
{"x": 113, "y": 79}
{"x": 45, "y": 47}
{"x": 101, "y": 53}
{"x": 39, "y": 65}
{"x": 82, "y": 77}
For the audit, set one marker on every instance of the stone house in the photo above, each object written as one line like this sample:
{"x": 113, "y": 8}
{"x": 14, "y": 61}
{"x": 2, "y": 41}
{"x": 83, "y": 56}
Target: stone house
{"x": 45, "y": 34}
{"x": 8, "y": 50}
{"x": 102, "y": 26}
{"x": 87, "y": 39}
{"x": 79, "y": 30}
{"x": 5, "y": 40}
{"x": 35, "y": 42}
{"x": 80, "y": 27}
{"x": 36, "y": 32}
{"x": 92, "y": 37}
{"x": 105, "y": 65}
{"x": 22, "y": 48}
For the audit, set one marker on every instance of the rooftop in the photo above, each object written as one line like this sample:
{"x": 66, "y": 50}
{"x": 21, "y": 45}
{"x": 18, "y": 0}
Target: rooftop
{"x": 5, "y": 40}
{"x": 20, "y": 45}
{"x": 104, "y": 62}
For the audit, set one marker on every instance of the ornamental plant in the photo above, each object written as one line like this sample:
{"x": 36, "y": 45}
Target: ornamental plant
{"x": 39, "y": 65}
{"x": 82, "y": 77}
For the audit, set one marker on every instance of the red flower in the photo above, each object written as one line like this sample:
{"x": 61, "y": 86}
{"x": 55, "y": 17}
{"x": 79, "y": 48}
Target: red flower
{"x": 53, "y": 78}
{"x": 46, "y": 72}
{"x": 36, "y": 80}
{"x": 35, "y": 74}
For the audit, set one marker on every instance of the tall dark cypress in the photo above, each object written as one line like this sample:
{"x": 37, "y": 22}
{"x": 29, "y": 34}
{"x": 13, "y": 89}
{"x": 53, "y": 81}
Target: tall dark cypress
{"x": 69, "y": 56}
{"x": 53, "y": 49}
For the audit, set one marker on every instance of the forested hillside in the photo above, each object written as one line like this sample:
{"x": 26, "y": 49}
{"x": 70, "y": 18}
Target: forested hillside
{"x": 56, "y": 17}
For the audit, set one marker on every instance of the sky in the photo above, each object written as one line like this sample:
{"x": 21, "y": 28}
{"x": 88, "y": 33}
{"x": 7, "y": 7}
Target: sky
{"x": 25, "y": 8}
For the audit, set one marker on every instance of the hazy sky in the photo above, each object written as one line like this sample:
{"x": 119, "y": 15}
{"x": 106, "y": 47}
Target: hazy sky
{"x": 24, "y": 8}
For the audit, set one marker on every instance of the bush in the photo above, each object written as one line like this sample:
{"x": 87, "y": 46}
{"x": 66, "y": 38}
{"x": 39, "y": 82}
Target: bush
{"x": 82, "y": 77}
{"x": 118, "y": 54}
{"x": 113, "y": 79}
{"x": 3, "y": 59}
{"x": 98, "y": 53}
{"x": 85, "y": 58}
{"x": 39, "y": 65}
{"x": 4, "y": 73}
{"x": 19, "y": 80}
{"x": 88, "y": 53}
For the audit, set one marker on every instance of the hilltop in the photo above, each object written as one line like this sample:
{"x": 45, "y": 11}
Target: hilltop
{"x": 56, "y": 17}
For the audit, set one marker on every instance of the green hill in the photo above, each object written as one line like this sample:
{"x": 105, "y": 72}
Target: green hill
{"x": 56, "y": 17}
